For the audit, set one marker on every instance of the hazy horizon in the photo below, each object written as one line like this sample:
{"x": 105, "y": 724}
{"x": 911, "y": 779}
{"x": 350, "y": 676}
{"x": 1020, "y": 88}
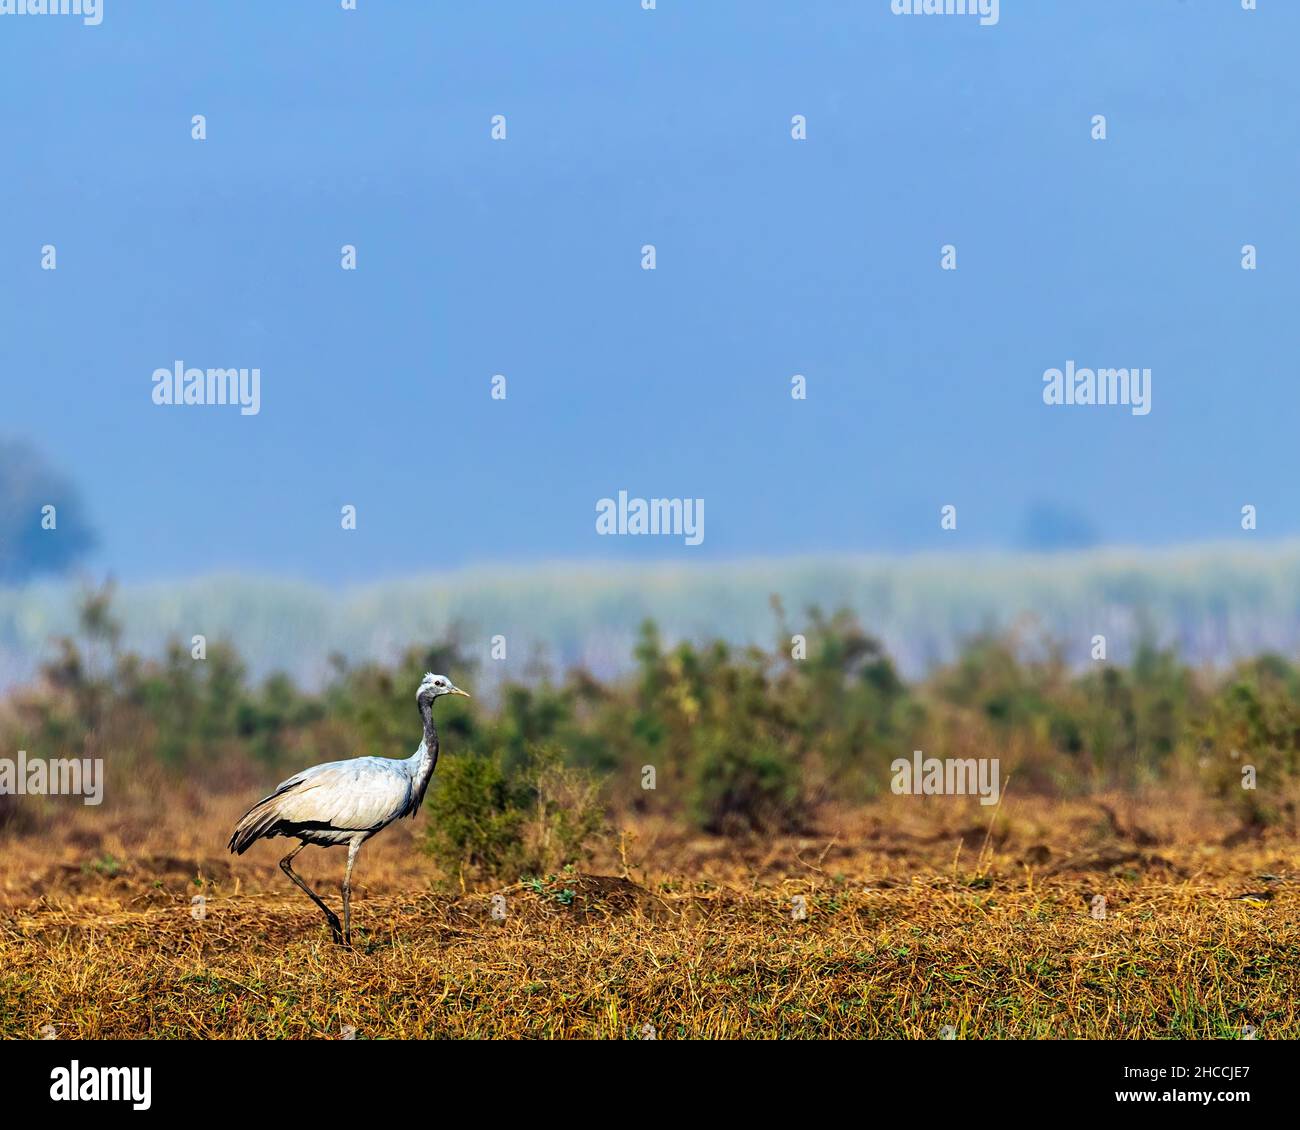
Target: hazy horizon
{"x": 1213, "y": 604}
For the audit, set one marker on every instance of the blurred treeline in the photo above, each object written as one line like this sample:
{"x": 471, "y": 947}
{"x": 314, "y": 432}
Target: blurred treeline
{"x": 734, "y": 740}
{"x": 1217, "y": 604}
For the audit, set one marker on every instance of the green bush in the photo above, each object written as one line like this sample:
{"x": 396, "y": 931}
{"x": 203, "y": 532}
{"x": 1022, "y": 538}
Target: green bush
{"x": 502, "y": 818}
{"x": 1250, "y": 742}
{"x": 743, "y": 786}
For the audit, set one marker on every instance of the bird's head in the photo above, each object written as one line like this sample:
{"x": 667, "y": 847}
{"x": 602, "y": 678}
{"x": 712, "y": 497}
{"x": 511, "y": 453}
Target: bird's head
{"x": 431, "y": 686}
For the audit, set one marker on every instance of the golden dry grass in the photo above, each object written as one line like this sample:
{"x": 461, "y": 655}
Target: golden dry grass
{"x": 914, "y": 922}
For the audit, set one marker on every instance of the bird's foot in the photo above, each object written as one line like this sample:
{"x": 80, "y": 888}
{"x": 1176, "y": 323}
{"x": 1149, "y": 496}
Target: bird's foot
{"x": 336, "y": 929}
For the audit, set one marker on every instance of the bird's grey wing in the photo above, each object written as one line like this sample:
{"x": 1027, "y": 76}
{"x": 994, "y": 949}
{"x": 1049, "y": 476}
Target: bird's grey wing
{"x": 356, "y": 795}
{"x": 359, "y": 795}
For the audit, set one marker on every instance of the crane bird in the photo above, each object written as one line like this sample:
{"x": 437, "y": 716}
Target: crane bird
{"x": 346, "y": 802}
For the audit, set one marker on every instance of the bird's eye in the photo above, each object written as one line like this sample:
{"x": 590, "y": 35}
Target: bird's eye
{"x": 437, "y": 682}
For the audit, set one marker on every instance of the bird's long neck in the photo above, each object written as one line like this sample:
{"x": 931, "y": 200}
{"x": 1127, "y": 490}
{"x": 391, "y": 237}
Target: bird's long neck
{"x": 426, "y": 757}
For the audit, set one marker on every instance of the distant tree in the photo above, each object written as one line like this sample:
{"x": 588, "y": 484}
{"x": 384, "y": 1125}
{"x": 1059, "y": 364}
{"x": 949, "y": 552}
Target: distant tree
{"x": 1056, "y": 526}
{"x": 28, "y": 484}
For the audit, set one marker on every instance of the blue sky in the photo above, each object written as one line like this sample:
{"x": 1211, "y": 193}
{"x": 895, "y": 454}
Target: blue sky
{"x": 522, "y": 257}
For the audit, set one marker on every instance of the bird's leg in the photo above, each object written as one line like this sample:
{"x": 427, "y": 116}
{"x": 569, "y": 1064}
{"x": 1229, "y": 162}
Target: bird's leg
{"x": 353, "y": 848}
{"x": 330, "y": 917}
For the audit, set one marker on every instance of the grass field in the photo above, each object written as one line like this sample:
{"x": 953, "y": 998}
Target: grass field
{"x": 924, "y": 919}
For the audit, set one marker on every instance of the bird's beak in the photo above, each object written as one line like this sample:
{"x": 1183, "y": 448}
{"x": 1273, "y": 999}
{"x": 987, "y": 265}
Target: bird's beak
{"x": 457, "y": 690}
